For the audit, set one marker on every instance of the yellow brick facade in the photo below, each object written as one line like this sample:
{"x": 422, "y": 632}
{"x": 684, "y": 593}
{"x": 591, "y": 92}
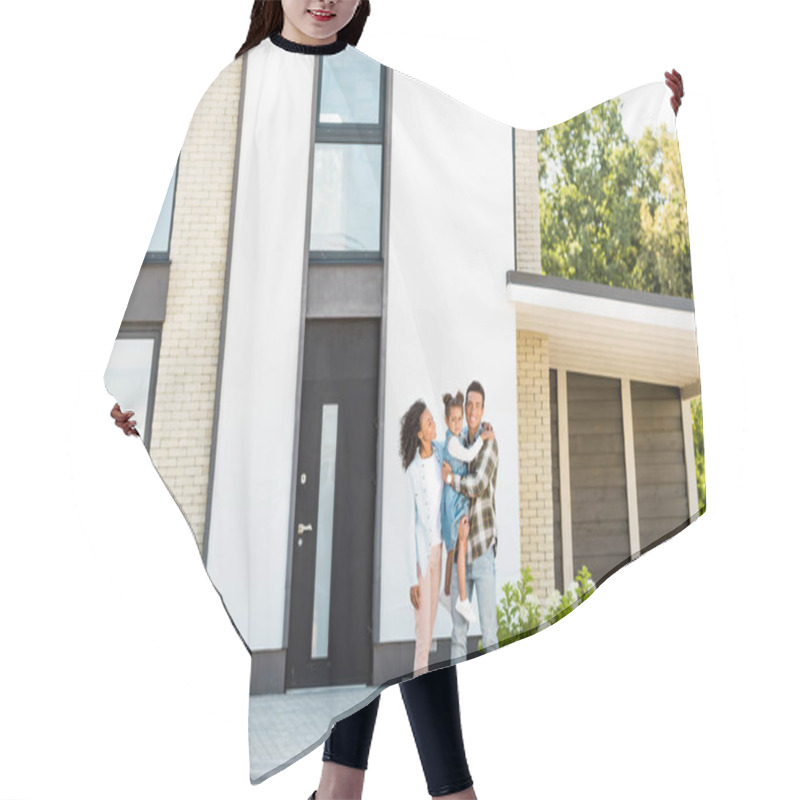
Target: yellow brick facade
{"x": 183, "y": 412}
{"x": 526, "y": 187}
{"x": 535, "y": 456}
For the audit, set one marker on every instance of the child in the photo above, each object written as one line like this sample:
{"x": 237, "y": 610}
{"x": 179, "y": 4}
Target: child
{"x": 455, "y": 506}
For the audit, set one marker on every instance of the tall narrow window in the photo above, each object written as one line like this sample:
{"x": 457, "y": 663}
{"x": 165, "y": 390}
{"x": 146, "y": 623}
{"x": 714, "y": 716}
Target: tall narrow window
{"x": 158, "y": 249}
{"x": 346, "y": 205}
{"x": 351, "y": 90}
{"x": 348, "y": 160}
{"x": 322, "y": 568}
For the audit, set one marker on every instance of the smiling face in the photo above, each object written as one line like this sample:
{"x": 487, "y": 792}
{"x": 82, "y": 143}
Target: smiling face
{"x": 427, "y": 429}
{"x": 455, "y": 420}
{"x": 315, "y": 21}
{"x": 474, "y": 411}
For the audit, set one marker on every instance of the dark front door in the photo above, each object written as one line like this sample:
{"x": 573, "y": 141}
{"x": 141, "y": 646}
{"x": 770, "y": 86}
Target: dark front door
{"x": 330, "y": 617}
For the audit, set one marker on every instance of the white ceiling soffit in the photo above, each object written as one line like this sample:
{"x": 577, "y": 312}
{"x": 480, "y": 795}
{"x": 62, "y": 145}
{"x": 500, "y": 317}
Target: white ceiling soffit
{"x": 605, "y": 331}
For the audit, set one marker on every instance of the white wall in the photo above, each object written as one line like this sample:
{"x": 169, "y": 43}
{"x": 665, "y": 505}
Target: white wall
{"x": 451, "y": 241}
{"x": 250, "y": 510}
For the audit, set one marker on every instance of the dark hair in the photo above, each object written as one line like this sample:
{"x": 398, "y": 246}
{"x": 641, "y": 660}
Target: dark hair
{"x": 452, "y": 402}
{"x": 476, "y": 387}
{"x": 266, "y": 18}
{"x": 409, "y": 428}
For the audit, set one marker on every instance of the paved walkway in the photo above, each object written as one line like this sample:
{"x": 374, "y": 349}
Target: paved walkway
{"x": 285, "y": 727}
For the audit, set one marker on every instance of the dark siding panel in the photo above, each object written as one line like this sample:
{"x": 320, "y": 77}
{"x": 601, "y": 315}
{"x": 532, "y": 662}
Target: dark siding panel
{"x": 600, "y": 538}
{"x": 558, "y": 555}
{"x": 660, "y": 465}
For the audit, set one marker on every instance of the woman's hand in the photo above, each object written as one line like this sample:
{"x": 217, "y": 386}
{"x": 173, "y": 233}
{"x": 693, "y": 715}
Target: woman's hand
{"x": 124, "y": 420}
{"x": 487, "y": 434}
{"x": 415, "y": 596}
{"x": 675, "y": 82}
{"x": 487, "y": 426}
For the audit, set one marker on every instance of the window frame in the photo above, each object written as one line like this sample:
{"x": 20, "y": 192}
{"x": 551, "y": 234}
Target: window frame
{"x": 352, "y": 133}
{"x": 163, "y": 256}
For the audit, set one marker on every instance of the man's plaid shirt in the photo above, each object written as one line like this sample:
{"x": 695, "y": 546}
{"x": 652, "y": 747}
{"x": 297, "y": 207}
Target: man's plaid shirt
{"x": 479, "y": 485}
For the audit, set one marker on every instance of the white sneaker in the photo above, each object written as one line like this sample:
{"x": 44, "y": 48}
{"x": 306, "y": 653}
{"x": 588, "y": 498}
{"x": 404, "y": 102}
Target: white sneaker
{"x": 464, "y": 607}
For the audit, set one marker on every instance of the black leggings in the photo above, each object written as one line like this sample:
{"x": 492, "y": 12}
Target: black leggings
{"x": 433, "y": 711}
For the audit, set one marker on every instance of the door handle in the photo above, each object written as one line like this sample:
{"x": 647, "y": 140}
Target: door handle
{"x": 301, "y": 529}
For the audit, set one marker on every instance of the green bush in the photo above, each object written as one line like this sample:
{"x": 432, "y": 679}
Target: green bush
{"x": 699, "y": 452}
{"x": 519, "y": 614}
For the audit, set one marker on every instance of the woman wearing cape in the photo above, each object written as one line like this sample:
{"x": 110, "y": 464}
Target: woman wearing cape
{"x": 348, "y": 189}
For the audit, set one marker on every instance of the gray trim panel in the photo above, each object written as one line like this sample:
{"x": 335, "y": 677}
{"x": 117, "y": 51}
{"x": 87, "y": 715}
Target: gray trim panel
{"x": 267, "y": 672}
{"x": 148, "y": 300}
{"x": 344, "y": 291}
{"x": 598, "y": 290}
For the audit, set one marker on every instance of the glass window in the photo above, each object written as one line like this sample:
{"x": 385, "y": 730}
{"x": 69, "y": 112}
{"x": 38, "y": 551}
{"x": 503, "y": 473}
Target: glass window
{"x": 351, "y": 89}
{"x": 322, "y": 570}
{"x": 345, "y": 212}
{"x": 129, "y": 377}
{"x": 159, "y": 243}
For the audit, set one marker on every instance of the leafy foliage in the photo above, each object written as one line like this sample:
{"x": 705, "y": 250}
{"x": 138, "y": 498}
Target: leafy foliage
{"x": 519, "y": 614}
{"x": 699, "y": 452}
{"x": 577, "y": 592}
{"x": 613, "y": 210}
{"x": 664, "y": 265}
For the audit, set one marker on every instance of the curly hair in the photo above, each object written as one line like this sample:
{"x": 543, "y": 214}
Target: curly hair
{"x": 451, "y": 401}
{"x": 266, "y": 18}
{"x": 409, "y": 428}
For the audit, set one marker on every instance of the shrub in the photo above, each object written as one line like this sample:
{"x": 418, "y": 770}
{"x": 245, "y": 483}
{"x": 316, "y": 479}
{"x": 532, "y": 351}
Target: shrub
{"x": 519, "y": 614}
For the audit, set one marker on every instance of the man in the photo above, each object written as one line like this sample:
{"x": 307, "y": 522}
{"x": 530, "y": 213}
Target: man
{"x": 479, "y": 485}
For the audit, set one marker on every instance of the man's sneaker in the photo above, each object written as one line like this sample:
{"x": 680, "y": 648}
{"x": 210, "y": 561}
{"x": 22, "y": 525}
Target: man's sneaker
{"x": 464, "y": 607}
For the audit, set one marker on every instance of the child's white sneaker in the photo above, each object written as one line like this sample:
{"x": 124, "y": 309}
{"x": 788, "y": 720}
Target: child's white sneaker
{"x": 464, "y": 607}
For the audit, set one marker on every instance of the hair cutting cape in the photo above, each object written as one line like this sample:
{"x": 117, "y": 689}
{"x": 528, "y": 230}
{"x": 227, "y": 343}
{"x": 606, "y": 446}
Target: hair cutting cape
{"x": 340, "y": 240}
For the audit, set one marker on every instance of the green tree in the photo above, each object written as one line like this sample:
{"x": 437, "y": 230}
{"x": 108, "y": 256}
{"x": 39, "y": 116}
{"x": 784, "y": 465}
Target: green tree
{"x": 588, "y": 169}
{"x": 664, "y": 265}
{"x": 613, "y": 210}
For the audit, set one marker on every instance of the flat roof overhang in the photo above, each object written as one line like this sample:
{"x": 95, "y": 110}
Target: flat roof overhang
{"x": 604, "y": 330}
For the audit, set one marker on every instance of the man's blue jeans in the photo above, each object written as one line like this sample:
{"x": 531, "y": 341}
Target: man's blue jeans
{"x": 481, "y": 576}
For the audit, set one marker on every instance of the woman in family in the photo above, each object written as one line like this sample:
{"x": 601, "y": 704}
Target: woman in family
{"x": 422, "y": 461}
{"x": 455, "y": 506}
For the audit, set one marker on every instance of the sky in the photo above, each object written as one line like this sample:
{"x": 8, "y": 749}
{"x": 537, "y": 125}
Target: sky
{"x": 121, "y": 675}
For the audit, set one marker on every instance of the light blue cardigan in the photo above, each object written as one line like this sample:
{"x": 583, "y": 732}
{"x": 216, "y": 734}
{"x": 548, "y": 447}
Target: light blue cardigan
{"x": 417, "y": 537}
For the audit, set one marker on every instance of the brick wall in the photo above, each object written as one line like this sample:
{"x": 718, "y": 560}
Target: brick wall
{"x": 183, "y": 413}
{"x": 535, "y": 475}
{"x": 526, "y": 180}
